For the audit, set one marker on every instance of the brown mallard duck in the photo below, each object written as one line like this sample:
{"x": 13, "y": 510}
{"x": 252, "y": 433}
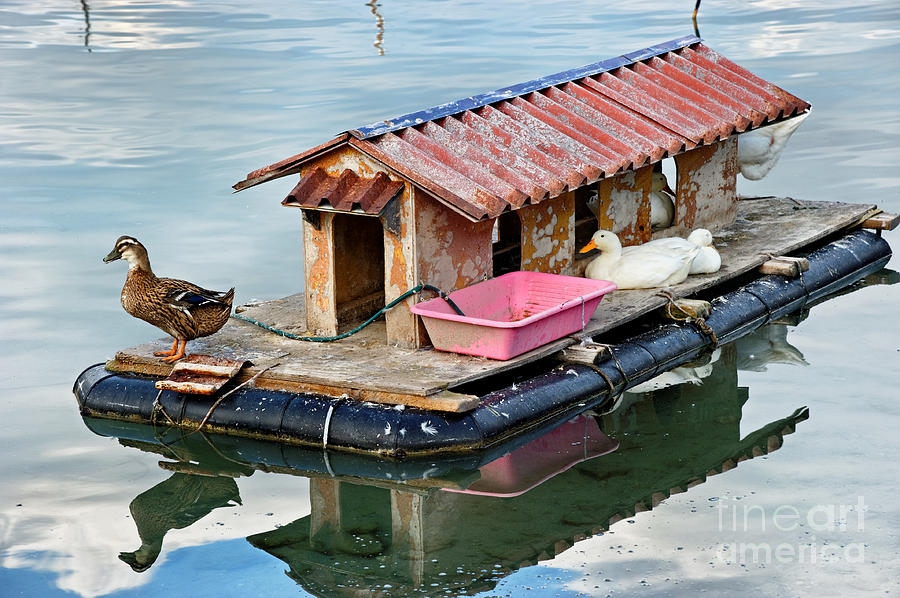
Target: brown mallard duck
{"x": 179, "y": 308}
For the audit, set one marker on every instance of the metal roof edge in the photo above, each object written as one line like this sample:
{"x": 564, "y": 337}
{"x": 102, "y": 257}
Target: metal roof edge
{"x": 287, "y": 166}
{"x": 505, "y": 93}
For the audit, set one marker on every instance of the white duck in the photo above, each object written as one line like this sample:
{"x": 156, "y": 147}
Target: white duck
{"x": 638, "y": 267}
{"x": 707, "y": 259}
{"x": 679, "y": 375}
{"x": 759, "y": 149}
{"x": 662, "y": 206}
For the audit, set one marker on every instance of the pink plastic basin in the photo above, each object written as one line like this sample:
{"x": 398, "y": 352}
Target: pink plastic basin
{"x": 511, "y": 314}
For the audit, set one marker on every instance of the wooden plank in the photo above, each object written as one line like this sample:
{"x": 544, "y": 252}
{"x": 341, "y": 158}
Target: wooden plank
{"x": 207, "y": 364}
{"x": 192, "y": 384}
{"x": 788, "y": 266}
{"x": 200, "y": 374}
{"x": 882, "y": 221}
{"x": 365, "y": 367}
{"x": 588, "y": 354}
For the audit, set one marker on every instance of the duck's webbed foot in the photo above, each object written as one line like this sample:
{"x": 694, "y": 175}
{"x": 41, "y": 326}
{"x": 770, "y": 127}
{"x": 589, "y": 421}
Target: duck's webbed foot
{"x": 170, "y": 351}
{"x": 177, "y": 354}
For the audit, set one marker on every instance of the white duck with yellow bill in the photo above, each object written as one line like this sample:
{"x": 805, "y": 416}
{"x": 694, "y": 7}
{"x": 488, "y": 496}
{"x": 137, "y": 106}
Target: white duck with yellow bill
{"x": 637, "y": 267}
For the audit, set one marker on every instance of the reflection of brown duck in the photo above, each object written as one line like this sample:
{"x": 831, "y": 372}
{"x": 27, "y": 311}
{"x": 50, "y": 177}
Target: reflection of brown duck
{"x": 174, "y": 503}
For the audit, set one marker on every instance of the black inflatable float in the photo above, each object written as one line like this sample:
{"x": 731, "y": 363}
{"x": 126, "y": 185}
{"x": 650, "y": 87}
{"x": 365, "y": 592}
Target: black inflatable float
{"x": 535, "y": 403}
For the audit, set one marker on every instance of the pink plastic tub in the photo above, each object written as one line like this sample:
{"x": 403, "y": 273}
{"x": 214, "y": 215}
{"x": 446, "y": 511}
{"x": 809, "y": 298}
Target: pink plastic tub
{"x": 511, "y": 314}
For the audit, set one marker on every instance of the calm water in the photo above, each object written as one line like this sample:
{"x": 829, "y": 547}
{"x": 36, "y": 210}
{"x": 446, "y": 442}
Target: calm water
{"x": 136, "y": 117}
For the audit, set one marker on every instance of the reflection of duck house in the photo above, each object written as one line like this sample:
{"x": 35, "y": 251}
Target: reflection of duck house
{"x": 417, "y": 199}
{"x": 448, "y": 527}
{"x": 360, "y": 537}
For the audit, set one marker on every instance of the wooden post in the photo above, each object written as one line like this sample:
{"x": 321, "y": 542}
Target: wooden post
{"x": 548, "y": 235}
{"x": 319, "y": 272}
{"x": 325, "y": 510}
{"x": 624, "y": 205}
{"x": 407, "y": 532}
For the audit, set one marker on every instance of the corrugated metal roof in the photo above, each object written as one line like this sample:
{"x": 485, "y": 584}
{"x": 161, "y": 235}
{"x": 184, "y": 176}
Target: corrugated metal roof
{"x": 346, "y": 192}
{"x": 522, "y": 144}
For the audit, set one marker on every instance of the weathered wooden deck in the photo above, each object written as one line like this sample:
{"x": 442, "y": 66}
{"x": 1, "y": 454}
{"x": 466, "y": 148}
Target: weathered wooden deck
{"x": 364, "y": 367}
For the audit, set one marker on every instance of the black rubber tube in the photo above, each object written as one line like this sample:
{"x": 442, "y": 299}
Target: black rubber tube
{"x": 537, "y": 402}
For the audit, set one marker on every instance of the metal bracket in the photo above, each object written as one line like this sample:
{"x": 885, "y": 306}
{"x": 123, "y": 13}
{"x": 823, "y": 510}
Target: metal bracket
{"x": 390, "y": 216}
{"x": 313, "y": 217}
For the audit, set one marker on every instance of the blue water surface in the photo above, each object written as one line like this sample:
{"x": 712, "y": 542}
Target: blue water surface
{"x": 136, "y": 117}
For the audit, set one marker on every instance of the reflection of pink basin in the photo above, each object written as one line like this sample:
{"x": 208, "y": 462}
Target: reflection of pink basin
{"x": 511, "y": 314}
{"x": 528, "y": 466}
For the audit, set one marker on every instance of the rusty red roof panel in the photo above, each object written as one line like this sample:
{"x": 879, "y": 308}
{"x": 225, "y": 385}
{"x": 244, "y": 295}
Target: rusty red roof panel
{"x": 344, "y": 192}
{"x": 522, "y": 144}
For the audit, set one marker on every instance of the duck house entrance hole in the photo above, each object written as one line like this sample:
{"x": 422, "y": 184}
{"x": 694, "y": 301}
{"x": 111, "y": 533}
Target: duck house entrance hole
{"x": 358, "y": 267}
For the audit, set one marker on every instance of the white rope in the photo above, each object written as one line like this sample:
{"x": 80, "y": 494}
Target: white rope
{"x": 327, "y": 424}
{"x": 328, "y": 464}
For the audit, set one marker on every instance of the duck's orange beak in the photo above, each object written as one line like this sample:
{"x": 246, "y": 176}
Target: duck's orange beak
{"x": 588, "y": 247}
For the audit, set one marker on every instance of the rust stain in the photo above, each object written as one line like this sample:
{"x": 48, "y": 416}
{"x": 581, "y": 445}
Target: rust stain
{"x": 706, "y": 194}
{"x": 624, "y": 205}
{"x": 349, "y": 158}
{"x": 319, "y": 269}
{"x": 402, "y": 326}
{"x": 452, "y": 252}
{"x": 548, "y": 235}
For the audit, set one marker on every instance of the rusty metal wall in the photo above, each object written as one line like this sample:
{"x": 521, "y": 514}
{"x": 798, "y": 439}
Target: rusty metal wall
{"x": 624, "y": 205}
{"x": 548, "y": 235}
{"x": 706, "y": 193}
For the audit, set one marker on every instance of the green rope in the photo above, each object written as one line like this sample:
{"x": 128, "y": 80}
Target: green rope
{"x": 328, "y": 339}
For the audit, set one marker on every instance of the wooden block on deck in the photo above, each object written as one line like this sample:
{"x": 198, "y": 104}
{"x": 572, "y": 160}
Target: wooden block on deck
{"x": 679, "y": 309}
{"x": 791, "y": 267}
{"x": 200, "y": 374}
{"x": 208, "y": 365}
{"x": 589, "y": 354}
{"x": 445, "y": 400}
{"x": 882, "y": 221}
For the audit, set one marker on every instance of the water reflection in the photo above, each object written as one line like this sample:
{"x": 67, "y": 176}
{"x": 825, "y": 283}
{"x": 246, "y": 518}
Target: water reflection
{"x": 175, "y": 503}
{"x": 86, "y": 9}
{"x": 379, "y": 26}
{"x": 458, "y": 525}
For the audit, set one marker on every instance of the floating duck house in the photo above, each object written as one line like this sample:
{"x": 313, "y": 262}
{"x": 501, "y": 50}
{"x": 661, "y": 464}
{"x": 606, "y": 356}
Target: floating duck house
{"x": 427, "y": 190}
{"x": 512, "y": 180}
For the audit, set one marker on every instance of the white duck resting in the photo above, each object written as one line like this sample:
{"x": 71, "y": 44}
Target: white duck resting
{"x": 707, "y": 260}
{"x": 637, "y": 267}
{"x": 759, "y": 149}
{"x": 662, "y": 206}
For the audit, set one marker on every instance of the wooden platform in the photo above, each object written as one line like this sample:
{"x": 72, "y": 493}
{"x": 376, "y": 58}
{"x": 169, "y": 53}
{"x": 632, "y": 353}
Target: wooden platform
{"x": 363, "y": 367}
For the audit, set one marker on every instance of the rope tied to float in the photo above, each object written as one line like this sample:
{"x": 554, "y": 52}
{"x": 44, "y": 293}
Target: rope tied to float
{"x": 327, "y": 339}
{"x": 676, "y": 313}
